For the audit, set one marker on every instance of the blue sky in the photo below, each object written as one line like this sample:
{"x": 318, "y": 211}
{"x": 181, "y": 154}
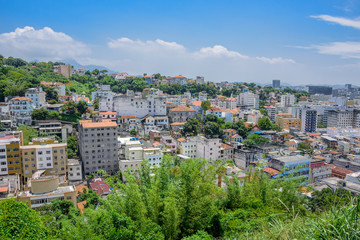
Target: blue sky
{"x": 296, "y": 41}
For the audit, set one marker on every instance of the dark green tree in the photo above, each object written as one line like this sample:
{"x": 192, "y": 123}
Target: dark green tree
{"x": 191, "y": 127}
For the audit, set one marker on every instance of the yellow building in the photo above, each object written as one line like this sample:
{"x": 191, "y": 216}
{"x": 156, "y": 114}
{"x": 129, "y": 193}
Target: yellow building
{"x": 282, "y": 115}
{"x": 43, "y": 154}
{"x": 42, "y": 188}
{"x": 289, "y": 123}
{"x": 10, "y": 159}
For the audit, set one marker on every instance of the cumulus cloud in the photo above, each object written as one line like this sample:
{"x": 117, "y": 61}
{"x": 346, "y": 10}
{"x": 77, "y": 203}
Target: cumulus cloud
{"x": 219, "y": 51}
{"x": 41, "y": 44}
{"x": 354, "y": 23}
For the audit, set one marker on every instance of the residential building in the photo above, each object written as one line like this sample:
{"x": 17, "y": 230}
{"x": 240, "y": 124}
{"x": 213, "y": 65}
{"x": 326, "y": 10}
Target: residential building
{"x": 287, "y": 100}
{"x": 43, "y": 153}
{"x": 9, "y": 186}
{"x": 343, "y": 118}
{"x": 308, "y": 120}
{"x": 53, "y": 128}
{"x": 100, "y": 187}
{"x": 181, "y": 80}
{"x": 276, "y": 84}
{"x": 57, "y": 86}
{"x": 43, "y": 188}
{"x": 208, "y": 148}
{"x": 74, "y": 170}
{"x": 228, "y": 133}
{"x": 187, "y": 147}
{"x": 271, "y": 110}
{"x": 181, "y": 114}
{"x": 318, "y": 169}
{"x": 104, "y": 91}
{"x": 202, "y": 96}
{"x": 65, "y": 70}
{"x": 291, "y": 166}
{"x": 21, "y": 108}
{"x": 10, "y": 159}
{"x": 155, "y": 105}
{"x": 98, "y": 145}
{"x": 37, "y": 95}
{"x": 199, "y": 80}
{"x": 243, "y": 158}
{"x": 226, "y": 151}
{"x": 248, "y": 100}
{"x": 287, "y": 123}
{"x": 319, "y": 90}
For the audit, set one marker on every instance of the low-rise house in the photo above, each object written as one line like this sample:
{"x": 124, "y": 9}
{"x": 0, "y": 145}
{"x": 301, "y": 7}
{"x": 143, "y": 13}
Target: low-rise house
{"x": 57, "y": 86}
{"x": 74, "y": 170}
{"x": 228, "y": 133}
{"x": 43, "y": 188}
{"x": 9, "y": 186}
{"x": 226, "y": 152}
{"x": 100, "y": 187}
{"x": 187, "y": 147}
{"x": 318, "y": 169}
{"x": 108, "y": 114}
{"x": 37, "y": 95}
{"x": 181, "y": 114}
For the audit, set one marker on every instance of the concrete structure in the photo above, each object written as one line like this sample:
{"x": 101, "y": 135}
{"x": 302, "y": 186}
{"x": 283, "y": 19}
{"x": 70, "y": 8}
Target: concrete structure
{"x": 134, "y": 105}
{"x": 43, "y": 153}
{"x": 343, "y": 118}
{"x": 65, "y": 70}
{"x": 248, "y": 100}
{"x": 319, "y": 90}
{"x": 98, "y": 145}
{"x": 287, "y": 100}
{"x": 318, "y": 170}
{"x": 52, "y": 128}
{"x": 21, "y": 108}
{"x": 37, "y": 95}
{"x": 276, "y": 84}
{"x": 10, "y": 159}
{"x": 293, "y": 166}
{"x": 181, "y": 114}
{"x": 9, "y": 186}
{"x": 74, "y": 170}
{"x": 243, "y": 158}
{"x": 187, "y": 147}
{"x": 308, "y": 120}
{"x": 271, "y": 112}
{"x": 208, "y": 148}
{"x": 287, "y": 123}
{"x": 43, "y": 188}
{"x": 104, "y": 91}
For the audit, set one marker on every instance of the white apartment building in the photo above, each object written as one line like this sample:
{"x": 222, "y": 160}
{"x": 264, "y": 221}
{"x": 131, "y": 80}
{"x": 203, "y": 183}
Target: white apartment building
{"x": 287, "y": 100}
{"x": 37, "y": 95}
{"x": 208, "y": 148}
{"x": 134, "y": 105}
{"x": 74, "y": 170}
{"x": 271, "y": 112}
{"x": 21, "y": 108}
{"x": 187, "y": 147}
{"x": 104, "y": 91}
{"x": 248, "y": 100}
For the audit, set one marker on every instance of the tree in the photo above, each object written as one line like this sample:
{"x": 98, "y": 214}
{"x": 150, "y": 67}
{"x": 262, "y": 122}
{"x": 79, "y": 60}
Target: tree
{"x": 51, "y": 94}
{"x": 242, "y": 130}
{"x": 18, "y": 221}
{"x": 254, "y": 140}
{"x": 213, "y": 130}
{"x": 191, "y": 127}
{"x": 264, "y": 123}
{"x": 40, "y": 114}
{"x": 321, "y": 125}
{"x": 71, "y": 146}
{"x": 263, "y": 111}
{"x": 70, "y": 108}
{"x": 133, "y": 132}
{"x": 205, "y": 105}
{"x": 82, "y": 107}
{"x": 28, "y": 133}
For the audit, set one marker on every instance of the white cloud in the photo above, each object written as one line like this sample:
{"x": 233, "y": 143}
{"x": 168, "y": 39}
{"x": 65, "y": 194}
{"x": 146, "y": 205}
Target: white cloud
{"x": 343, "y": 49}
{"x": 276, "y": 60}
{"x": 219, "y": 51}
{"x": 355, "y": 23}
{"x": 40, "y": 44}
{"x": 138, "y": 45}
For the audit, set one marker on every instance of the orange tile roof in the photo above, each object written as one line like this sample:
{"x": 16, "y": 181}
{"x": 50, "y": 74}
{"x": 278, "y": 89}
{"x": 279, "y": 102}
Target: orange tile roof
{"x": 128, "y": 116}
{"x": 179, "y": 76}
{"x": 229, "y": 130}
{"x": 292, "y": 148}
{"x": 79, "y": 189}
{"x": 108, "y": 112}
{"x": 4, "y": 189}
{"x": 182, "y": 109}
{"x": 181, "y": 139}
{"x": 177, "y": 123}
{"x": 91, "y": 124}
{"x": 22, "y": 98}
{"x": 319, "y": 157}
{"x": 196, "y": 103}
{"x": 226, "y": 146}
{"x": 271, "y": 170}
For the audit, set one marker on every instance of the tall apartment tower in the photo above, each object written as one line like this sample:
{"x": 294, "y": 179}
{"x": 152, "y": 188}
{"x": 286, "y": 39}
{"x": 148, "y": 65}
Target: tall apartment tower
{"x": 308, "y": 120}
{"x": 98, "y": 145}
{"x": 276, "y": 84}
{"x": 287, "y": 100}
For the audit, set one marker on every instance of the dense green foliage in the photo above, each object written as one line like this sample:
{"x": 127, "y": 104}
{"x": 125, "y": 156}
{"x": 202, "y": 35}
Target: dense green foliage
{"x": 28, "y": 133}
{"x": 182, "y": 201}
{"x": 191, "y": 127}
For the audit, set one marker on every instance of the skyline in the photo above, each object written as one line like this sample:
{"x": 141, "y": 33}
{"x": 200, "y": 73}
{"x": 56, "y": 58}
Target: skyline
{"x": 298, "y": 43}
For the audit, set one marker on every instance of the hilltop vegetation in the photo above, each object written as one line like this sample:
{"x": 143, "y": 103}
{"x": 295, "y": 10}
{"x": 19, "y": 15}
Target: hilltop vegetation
{"x": 183, "y": 201}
